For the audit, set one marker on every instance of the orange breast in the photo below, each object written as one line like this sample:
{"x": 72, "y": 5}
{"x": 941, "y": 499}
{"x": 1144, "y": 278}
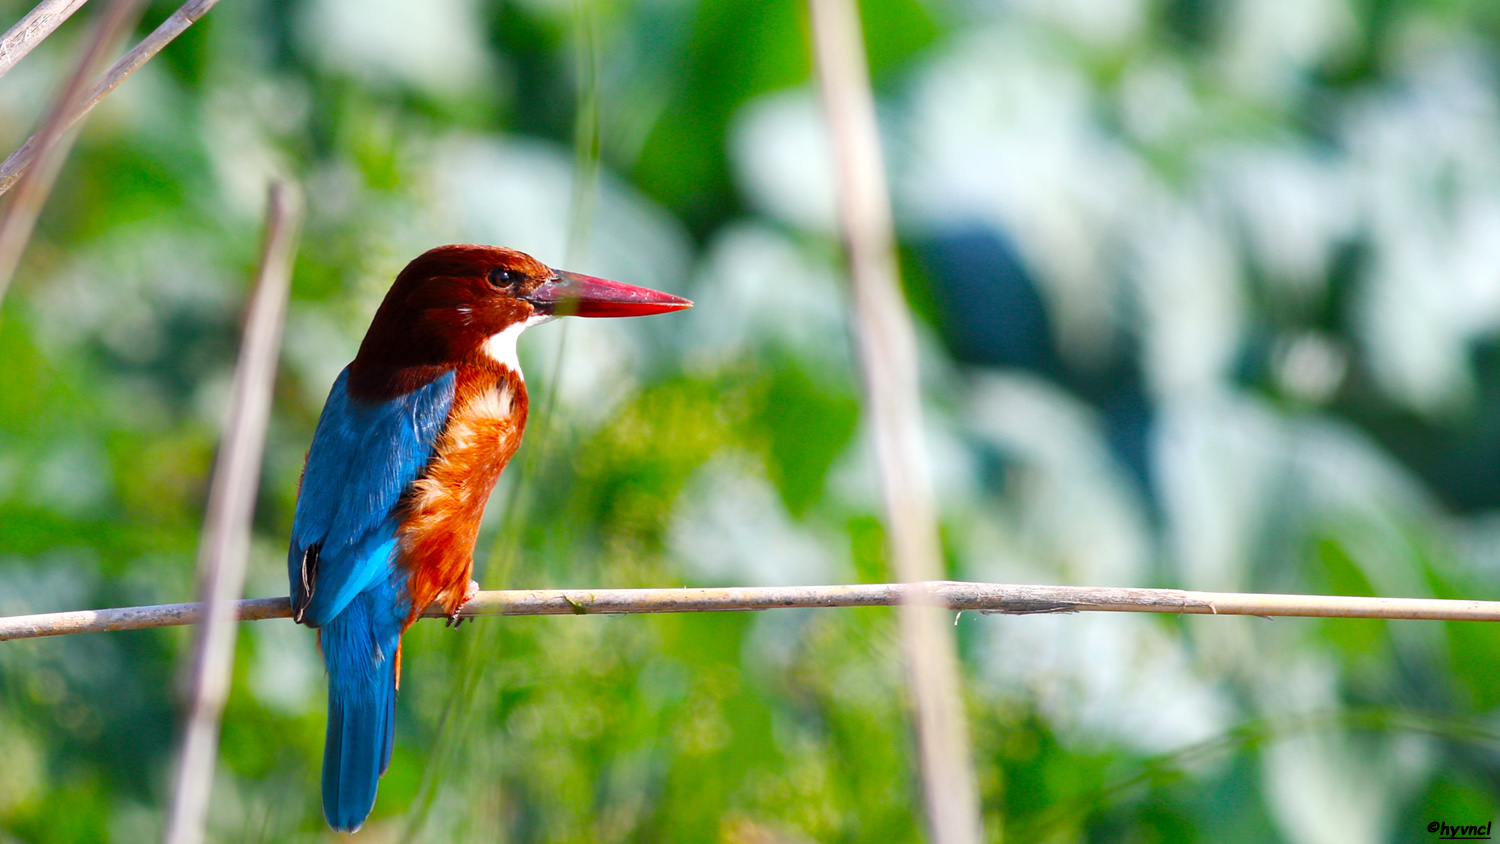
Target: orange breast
{"x": 445, "y": 505}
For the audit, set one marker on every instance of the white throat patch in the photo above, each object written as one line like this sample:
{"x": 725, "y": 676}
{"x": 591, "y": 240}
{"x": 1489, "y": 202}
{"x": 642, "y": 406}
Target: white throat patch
{"x": 501, "y": 347}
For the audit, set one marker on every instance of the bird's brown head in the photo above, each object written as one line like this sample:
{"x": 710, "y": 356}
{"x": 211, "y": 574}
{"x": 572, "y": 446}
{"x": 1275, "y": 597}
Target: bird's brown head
{"x": 464, "y": 301}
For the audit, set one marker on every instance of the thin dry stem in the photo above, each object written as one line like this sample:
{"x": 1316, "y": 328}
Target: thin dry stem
{"x": 226, "y": 530}
{"x": 52, "y": 143}
{"x": 945, "y": 594}
{"x": 23, "y": 158}
{"x": 30, "y": 30}
{"x": 888, "y": 357}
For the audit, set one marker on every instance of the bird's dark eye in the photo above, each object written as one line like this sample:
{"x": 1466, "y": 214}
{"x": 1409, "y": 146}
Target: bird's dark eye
{"x": 503, "y": 278}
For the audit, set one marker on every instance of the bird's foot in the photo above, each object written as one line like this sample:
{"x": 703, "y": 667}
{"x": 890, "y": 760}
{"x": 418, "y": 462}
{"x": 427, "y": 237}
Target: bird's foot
{"x": 454, "y": 619}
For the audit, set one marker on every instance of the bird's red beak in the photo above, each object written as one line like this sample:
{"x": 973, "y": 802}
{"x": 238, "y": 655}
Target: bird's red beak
{"x": 571, "y": 294}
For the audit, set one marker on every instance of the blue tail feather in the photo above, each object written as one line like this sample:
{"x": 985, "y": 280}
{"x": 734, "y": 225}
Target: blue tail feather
{"x": 359, "y": 647}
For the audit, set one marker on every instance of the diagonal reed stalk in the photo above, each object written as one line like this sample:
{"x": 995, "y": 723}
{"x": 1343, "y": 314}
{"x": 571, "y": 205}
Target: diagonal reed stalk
{"x": 226, "y": 529}
{"x": 31, "y": 29}
{"x": 49, "y": 147}
{"x": 25, "y": 156}
{"x": 888, "y": 360}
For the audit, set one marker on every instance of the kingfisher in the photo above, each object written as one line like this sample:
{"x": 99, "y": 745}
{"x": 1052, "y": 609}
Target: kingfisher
{"x": 411, "y": 441}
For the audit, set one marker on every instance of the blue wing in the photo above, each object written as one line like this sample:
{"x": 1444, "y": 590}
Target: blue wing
{"x": 362, "y": 458}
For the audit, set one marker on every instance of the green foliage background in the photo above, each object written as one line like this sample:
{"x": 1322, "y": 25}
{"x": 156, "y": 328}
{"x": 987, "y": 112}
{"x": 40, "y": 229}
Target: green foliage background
{"x": 1209, "y": 296}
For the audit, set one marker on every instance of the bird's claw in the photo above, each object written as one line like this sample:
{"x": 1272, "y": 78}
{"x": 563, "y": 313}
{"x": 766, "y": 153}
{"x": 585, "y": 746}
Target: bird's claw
{"x": 454, "y": 619}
